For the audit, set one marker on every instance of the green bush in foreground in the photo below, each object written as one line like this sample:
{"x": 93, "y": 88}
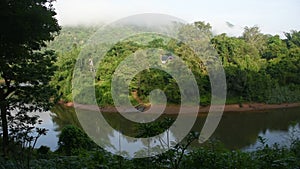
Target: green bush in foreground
{"x": 203, "y": 157}
{"x": 72, "y": 140}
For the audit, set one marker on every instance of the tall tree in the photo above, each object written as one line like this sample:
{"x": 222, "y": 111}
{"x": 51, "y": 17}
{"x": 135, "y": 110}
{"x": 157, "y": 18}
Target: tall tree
{"x": 204, "y": 27}
{"x": 25, "y": 70}
{"x": 255, "y": 38}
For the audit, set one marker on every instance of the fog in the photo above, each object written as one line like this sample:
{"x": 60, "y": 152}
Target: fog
{"x": 273, "y": 17}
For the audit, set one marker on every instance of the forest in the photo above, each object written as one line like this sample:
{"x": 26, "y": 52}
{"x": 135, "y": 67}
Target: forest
{"x": 259, "y": 68}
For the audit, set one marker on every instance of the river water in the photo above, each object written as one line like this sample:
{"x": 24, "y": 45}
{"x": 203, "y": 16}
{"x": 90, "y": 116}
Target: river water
{"x": 237, "y": 130}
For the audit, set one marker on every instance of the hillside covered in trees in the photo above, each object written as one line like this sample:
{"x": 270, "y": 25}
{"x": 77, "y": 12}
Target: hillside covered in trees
{"x": 259, "y": 67}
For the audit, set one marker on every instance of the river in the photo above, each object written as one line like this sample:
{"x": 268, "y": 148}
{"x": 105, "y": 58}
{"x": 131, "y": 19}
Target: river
{"x": 237, "y": 130}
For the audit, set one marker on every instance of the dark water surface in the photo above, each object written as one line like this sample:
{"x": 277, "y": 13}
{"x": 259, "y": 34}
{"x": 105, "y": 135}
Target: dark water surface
{"x": 237, "y": 130}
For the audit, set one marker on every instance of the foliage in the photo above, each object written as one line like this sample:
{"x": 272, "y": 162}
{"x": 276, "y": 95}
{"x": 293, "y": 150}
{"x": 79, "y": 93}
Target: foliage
{"x": 254, "y": 63}
{"x": 260, "y": 68}
{"x": 62, "y": 79}
{"x": 25, "y": 70}
{"x": 72, "y": 140}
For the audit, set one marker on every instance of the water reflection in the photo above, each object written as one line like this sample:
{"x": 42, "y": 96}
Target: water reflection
{"x": 239, "y": 130}
{"x": 115, "y": 137}
{"x": 54, "y": 121}
{"x": 63, "y": 116}
{"x": 277, "y": 137}
{"x": 236, "y": 130}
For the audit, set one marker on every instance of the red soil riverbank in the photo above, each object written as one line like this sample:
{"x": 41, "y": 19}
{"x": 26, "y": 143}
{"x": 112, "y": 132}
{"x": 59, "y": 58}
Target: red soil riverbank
{"x": 173, "y": 109}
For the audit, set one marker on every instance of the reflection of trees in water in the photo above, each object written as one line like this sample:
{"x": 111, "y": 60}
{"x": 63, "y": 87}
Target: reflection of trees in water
{"x": 236, "y": 130}
{"x": 98, "y": 129}
{"x": 95, "y": 127}
{"x": 123, "y": 125}
{"x": 64, "y": 116}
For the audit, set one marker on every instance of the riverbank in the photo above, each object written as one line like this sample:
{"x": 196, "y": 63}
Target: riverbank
{"x": 174, "y": 109}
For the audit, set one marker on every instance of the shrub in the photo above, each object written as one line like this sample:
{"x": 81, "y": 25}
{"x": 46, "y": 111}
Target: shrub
{"x": 72, "y": 139}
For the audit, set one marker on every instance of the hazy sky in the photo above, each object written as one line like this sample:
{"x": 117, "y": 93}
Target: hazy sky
{"x": 272, "y": 16}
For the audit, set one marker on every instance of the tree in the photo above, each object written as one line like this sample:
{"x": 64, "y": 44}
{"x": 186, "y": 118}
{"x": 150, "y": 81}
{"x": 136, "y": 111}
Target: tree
{"x": 204, "y": 27}
{"x": 236, "y": 51}
{"x": 227, "y": 47}
{"x": 254, "y": 37}
{"x": 275, "y": 48}
{"x": 293, "y": 38}
{"x": 24, "y": 68}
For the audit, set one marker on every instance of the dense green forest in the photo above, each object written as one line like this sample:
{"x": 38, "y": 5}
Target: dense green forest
{"x": 259, "y": 67}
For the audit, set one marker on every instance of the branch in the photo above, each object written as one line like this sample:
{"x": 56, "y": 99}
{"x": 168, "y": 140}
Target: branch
{"x": 10, "y": 89}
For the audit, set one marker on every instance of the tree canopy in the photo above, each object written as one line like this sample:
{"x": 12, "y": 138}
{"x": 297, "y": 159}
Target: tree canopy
{"x": 259, "y": 67}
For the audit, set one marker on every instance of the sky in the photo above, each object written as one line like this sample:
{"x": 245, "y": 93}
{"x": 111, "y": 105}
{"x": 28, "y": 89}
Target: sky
{"x": 272, "y": 16}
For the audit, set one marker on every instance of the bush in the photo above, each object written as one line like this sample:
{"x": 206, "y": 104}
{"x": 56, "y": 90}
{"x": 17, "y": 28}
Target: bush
{"x": 72, "y": 140}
